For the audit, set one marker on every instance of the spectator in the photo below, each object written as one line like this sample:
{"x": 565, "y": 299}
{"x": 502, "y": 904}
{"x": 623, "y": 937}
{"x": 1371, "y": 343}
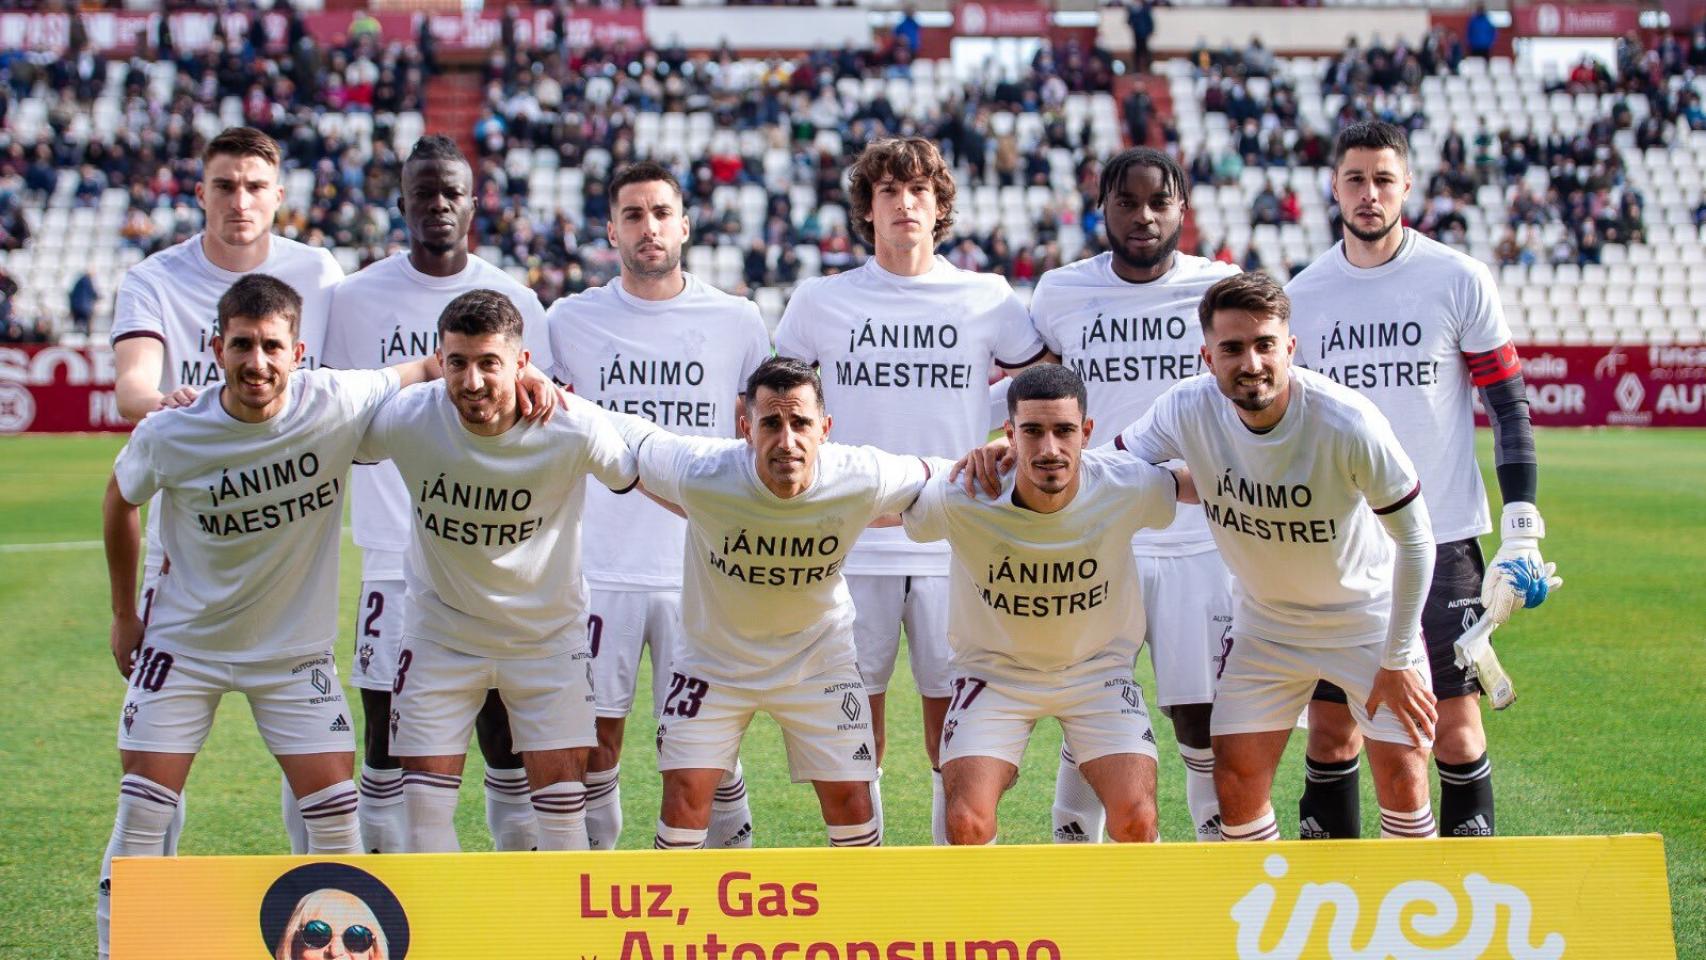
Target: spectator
{"x": 1291, "y": 207}
{"x": 908, "y": 31}
{"x": 1265, "y": 209}
{"x": 83, "y": 297}
{"x": 1482, "y": 33}
{"x": 1141, "y": 19}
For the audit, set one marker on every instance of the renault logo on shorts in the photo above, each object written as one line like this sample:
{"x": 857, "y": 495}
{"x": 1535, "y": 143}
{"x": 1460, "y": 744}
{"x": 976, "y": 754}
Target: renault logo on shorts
{"x": 1129, "y": 694}
{"x": 850, "y": 706}
{"x": 320, "y": 681}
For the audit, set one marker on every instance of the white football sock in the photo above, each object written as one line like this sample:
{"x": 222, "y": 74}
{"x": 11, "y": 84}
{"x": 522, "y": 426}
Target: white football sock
{"x": 1260, "y": 829}
{"x": 867, "y": 834}
{"x": 938, "y": 810}
{"x": 1078, "y": 813}
{"x": 877, "y": 804}
{"x": 678, "y": 838}
{"x": 603, "y": 808}
{"x": 176, "y": 830}
{"x": 145, "y": 811}
{"x": 294, "y": 828}
{"x": 560, "y": 809}
{"x": 329, "y": 818}
{"x": 509, "y": 812}
{"x": 1200, "y": 797}
{"x": 1408, "y": 825}
{"x": 384, "y": 818}
{"x": 430, "y": 802}
{"x": 731, "y": 816}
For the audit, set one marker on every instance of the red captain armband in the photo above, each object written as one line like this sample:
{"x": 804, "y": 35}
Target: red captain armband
{"x": 1494, "y": 365}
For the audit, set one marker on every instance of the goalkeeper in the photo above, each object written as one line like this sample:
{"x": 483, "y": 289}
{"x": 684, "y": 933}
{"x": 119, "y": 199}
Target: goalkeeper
{"x": 1417, "y": 328}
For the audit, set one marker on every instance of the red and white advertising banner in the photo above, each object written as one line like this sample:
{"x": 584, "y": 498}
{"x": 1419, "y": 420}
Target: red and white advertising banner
{"x": 1575, "y": 19}
{"x": 52, "y": 389}
{"x": 1007, "y": 18}
{"x": 124, "y": 32}
{"x": 1623, "y": 386}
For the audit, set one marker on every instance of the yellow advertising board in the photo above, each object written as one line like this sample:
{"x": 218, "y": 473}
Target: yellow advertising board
{"x": 1500, "y": 899}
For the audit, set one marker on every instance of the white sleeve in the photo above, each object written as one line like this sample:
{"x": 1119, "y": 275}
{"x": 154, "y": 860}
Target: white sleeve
{"x": 364, "y": 391}
{"x": 792, "y": 337}
{"x": 535, "y": 335}
{"x": 134, "y": 469}
{"x": 1154, "y": 436}
{"x": 1412, "y": 575}
{"x": 608, "y": 456}
{"x": 1042, "y": 311}
{"x": 136, "y": 310}
{"x": 899, "y": 480}
{"x": 317, "y": 307}
{"x": 927, "y": 519}
{"x": 663, "y": 459}
{"x": 336, "y": 352}
{"x": 375, "y": 446}
{"x": 757, "y": 347}
{"x": 1156, "y": 502}
{"x": 1017, "y": 342}
{"x": 1379, "y": 467}
{"x": 1483, "y": 315}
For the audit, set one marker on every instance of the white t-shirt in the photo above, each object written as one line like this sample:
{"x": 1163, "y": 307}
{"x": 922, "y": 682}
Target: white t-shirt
{"x": 1290, "y": 508}
{"x": 1130, "y": 342}
{"x": 905, "y": 367}
{"x": 494, "y": 566}
{"x": 249, "y": 515}
{"x": 1397, "y": 334}
{"x": 386, "y": 314}
{"x": 173, "y": 296}
{"x": 1050, "y": 595}
{"x": 681, "y": 363}
{"x": 763, "y": 602}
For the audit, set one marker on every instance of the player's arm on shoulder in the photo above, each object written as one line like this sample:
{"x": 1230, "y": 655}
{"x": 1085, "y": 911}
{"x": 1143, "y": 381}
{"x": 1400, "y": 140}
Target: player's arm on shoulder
{"x": 140, "y": 360}
{"x": 926, "y": 520}
{"x": 609, "y": 456}
{"x": 1399, "y": 684}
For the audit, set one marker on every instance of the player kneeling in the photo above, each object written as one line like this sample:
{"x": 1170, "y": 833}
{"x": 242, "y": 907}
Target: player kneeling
{"x": 1046, "y": 617}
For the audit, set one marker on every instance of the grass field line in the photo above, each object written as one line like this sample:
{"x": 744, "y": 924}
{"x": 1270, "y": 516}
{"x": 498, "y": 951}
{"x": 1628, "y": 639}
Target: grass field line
{"x": 45, "y": 547}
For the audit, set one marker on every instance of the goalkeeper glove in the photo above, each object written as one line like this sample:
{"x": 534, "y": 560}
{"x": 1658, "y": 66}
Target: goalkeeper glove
{"x": 1518, "y": 577}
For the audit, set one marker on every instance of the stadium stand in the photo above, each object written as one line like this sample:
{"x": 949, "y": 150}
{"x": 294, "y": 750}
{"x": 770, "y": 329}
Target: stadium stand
{"x": 1574, "y": 177}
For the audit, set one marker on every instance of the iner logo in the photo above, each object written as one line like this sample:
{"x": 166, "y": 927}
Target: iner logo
{"x": 1437, "y": 917}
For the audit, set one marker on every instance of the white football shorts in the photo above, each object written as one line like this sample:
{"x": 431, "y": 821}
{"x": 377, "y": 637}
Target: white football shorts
{"x": 1267, "y": 684}
{"x": 619, "y": 624}
{"x": 378, "y": 634}
{"x": 1187, "y": 605}
{"x": 881, "y": 605}
{"x": 439, "y": 691}
{"x": 1099, "y": 717}
{"x": 825, "y": 721}
{"x": 297, "y": 701}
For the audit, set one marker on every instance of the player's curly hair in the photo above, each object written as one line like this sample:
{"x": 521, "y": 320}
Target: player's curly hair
{"x": 1172, "y": 175}
{"x": 259, "y": 296}
{"x": 481, "y": 313}
{"x": 1371, "y": 135}
{"x": 1254, "y": 292}
{"x": 243, "y": 142}
{"x": 905, "y": 159}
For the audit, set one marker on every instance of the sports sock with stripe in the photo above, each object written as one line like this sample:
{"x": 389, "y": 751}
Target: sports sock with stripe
{"x": 1078, "y": 813}
{"x": 604, "y": 808}
{"x": 384, "y": 820}
{"x": 560, "y": 810}
{"x": 1331, "y": 807}
{"x": 1200, "y": 797}
{"x": 938, "y": 809}
{"x": 731, "y": 816}
{"x": 1408, "y": 824}
{"x": 430, "y": 799}
{"x": 509, "y": 810}
{"x": 1263, "y": 828}
{"x": 678, "y": 838}
{"x": 1466, "y": 798}
{"x": 329, "y": 817}
{"x": 294, "y": 828}
{"x": 867, "y": 834}
{"x": 145, "y": 812}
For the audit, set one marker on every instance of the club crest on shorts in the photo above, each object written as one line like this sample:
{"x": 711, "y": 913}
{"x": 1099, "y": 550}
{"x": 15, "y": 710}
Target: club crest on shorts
{"x": 364, "y": 657}
{"x": 396, "y": 719}
{"x": 129, "y": 716}
{"x": 948, "y": 730}
{"x": 661, "y": 730}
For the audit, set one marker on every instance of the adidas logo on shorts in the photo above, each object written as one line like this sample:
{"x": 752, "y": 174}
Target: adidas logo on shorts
{"x": 1071, "y": 833}
{"x": 340, "y": 725}
{"x": 863, "y": 753}
{"x": 1149, "y": 737}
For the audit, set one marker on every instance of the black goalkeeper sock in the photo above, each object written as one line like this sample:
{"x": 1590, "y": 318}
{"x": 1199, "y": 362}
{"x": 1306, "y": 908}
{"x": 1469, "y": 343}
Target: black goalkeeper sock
{"x": 1331, "y": 807}
{"x": 1466, "y": 798}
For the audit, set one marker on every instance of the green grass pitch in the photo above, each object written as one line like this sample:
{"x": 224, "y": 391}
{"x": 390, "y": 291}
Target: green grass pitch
{"x": 1605, "y": 738}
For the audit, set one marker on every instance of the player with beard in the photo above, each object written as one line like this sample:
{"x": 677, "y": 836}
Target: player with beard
{"x": 1125, "y": 321}
{"x": 386, "y": 313}
{"x": 249, "y": 477}
{"x": 1417, "y": 328}
{"x": 905, "y": 342}
{"x": 164, "y": 326}
{"x": 659, "y": 343}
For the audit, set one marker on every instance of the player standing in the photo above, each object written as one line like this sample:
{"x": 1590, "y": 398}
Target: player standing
{"x": 495, "y": 594}
{"x": 383, "y": 314}
{"x": 250, "y": 481}
{"x": 164, "y": 317}
{"x": 904, "y": 343}
{"x": 659, "y": 343}
{"x": 1417, "y": 328}
{"x": 767, "y": 616}
{"x": 1296, "y": 475}
{"x": 1047, "y": 614}
{"x": 1125, "y": 321}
